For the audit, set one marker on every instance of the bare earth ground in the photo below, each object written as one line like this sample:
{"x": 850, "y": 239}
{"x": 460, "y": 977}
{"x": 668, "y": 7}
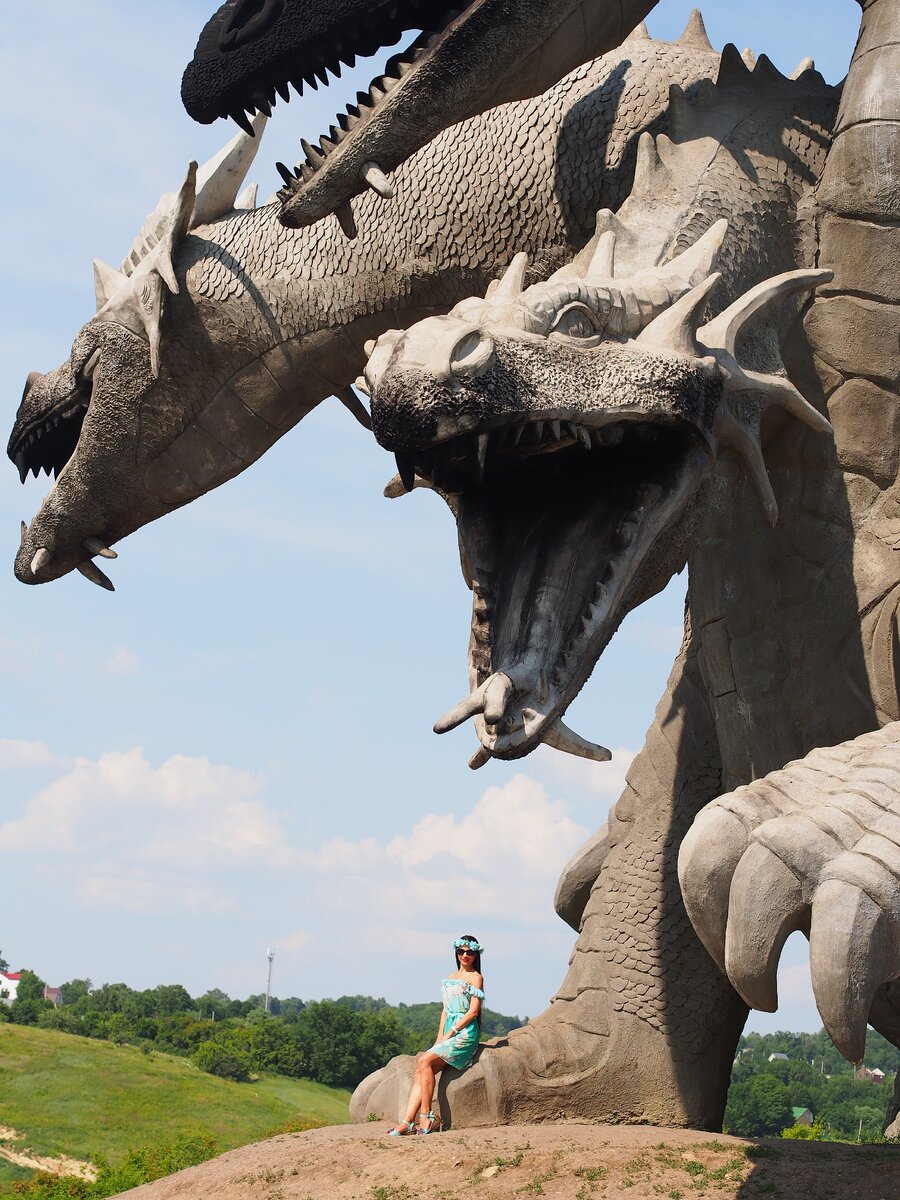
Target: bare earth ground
{"x": 561, "y": 1162}
{"x": 23, "y": 1157}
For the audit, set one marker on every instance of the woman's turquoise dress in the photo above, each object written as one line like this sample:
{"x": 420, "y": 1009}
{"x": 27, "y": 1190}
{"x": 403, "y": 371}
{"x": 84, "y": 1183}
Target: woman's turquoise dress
{"x": 457, "y": 1051}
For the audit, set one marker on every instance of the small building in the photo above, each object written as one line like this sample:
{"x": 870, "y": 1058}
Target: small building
{"x": 52, "y": 994}
{"x": 802, "y": 1116}
{"x": 778, "y": 1057}
{"x": 870, "y": 1074}
{"x": 9, "y": 985}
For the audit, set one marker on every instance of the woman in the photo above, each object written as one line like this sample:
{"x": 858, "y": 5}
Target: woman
{"x": 458, "y": 1034}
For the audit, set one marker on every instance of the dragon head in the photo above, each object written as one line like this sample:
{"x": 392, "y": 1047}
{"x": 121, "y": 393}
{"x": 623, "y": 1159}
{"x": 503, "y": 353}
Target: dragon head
{"x": 570, "y": 425}
{"x": 468, "y": 57}
{"x": 105, "y": 422}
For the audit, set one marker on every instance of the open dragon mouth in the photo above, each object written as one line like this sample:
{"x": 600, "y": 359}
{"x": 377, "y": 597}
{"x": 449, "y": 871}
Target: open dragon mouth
{"x": 566, "y": 523}
{"x": 47, "y": 441}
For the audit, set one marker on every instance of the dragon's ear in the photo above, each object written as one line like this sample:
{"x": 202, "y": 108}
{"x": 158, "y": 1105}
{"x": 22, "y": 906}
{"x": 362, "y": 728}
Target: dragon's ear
{"x": 134, "y": 298}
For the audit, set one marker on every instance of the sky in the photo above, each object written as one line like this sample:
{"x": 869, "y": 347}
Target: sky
{"x": 234, "y": 751}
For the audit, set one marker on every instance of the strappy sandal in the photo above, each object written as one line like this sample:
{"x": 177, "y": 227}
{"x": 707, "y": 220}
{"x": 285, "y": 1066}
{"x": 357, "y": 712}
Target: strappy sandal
{"x": 402, "y": 1128}
{"x": 434, "y": 1122}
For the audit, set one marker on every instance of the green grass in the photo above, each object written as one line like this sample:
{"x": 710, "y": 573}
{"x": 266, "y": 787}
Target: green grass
{"x": 76, "y": 1096}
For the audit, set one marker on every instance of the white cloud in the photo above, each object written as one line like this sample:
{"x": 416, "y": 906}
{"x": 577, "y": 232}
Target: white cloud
{"x": 188, "y": 811}
{"x": 121, "y": 661}
{"x": 17, "y": 752}
{"x": 499, "y": 861}
{"x": 602, "y": 778}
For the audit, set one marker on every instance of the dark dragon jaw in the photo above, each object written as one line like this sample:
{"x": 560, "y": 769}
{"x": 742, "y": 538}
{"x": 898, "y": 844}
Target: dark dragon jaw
{"x": 466, "y": 59}
{"x": 565, "y": 526}
{"x": 44, "y": 438}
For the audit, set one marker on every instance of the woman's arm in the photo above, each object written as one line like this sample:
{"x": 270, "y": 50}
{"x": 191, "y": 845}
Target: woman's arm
{"x": 441, "y": 1024}
{"x": 470, "y": 1016}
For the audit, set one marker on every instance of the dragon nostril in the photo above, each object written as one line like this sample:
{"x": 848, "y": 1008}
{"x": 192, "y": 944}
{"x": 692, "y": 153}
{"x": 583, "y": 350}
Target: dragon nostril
{"x": 472, "y": 354}
{"x": 247, "y": 20}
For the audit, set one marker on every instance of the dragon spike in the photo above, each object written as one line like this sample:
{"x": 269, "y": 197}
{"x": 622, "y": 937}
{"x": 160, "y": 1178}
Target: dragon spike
{"x": 674, "y": 331}
{"x": 733, "y": 71}
{"x": 246, "y": 201}
{"x": 640, "y": 33}
{"x": 648, "y": 166}
{"x": 603, "y": 260}
{"x": 748, "y": 57}
{"x": 682, "y": 119}
{"x": 733, "y": 434}
{"x": 220, "y": 179}
{"x": 510, "y": 286}
{"x": 723, "y": 331}
{"x": 766, "y": 70}
{"x": 107, "y": 281}
{"x": 804, "y": 65}
{"x": 695, "y": 32}
{"x": 775, "y": 389}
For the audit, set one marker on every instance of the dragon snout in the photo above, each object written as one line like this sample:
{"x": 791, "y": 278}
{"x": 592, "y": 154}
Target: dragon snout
{"x": 33, "y": 377}
{"x": 248, "y": 20}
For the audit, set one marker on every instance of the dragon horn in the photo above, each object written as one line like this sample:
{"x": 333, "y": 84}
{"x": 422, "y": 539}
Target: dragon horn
{"x": 723, "y": 331}
{"x": 510, "y": 286}
{"x": 602, "y": 264}
{"x": 675, "y": 329}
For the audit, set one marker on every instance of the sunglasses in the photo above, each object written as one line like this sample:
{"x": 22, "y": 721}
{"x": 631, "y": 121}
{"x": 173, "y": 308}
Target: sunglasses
{"x": 461, "y": 950}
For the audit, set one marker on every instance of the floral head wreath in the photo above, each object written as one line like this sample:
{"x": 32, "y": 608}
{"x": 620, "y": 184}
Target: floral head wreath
{"x": 468, "y": 944}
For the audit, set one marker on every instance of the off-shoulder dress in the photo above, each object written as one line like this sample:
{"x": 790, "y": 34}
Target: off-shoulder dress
{"x": 457, "y": 1051}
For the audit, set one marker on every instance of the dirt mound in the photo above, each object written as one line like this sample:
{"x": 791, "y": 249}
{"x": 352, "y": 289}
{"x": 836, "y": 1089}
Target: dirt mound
{"x": 561, "y": 1162}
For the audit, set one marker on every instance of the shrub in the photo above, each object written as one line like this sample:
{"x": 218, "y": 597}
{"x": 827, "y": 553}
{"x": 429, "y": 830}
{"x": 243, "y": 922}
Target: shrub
{"x": 223, "y": 1057}
{"x": 805, "y": 1133}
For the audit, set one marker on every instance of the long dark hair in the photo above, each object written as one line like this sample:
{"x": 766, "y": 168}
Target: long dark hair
{"x": 472, "y": 938}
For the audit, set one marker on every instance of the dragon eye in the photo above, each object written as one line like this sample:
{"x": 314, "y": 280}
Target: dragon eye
{"x": 576, "y": 321}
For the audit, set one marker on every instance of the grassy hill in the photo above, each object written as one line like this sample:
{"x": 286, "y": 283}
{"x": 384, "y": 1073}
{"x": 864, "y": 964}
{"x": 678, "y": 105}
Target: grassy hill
{"x": 80, "y": 1097}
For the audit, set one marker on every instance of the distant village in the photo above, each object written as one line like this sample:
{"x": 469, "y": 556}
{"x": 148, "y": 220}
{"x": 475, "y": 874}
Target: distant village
{"x": 9, "y": 988}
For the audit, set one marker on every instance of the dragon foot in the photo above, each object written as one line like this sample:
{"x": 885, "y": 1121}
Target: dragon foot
{"x": 814, "y": 847}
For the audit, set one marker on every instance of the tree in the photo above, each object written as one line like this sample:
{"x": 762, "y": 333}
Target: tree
{"x": 31, "y": 986}
{"x": 328, "y": 1035}
{"x": 4, "y": 965}
{"x": 760, "y": 1107}
{"x": 74, "y": 989}
{"x": 170, "y": 998}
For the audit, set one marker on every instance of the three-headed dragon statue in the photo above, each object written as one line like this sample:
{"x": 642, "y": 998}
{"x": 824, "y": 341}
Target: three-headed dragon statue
{"x": 626, "y": 306}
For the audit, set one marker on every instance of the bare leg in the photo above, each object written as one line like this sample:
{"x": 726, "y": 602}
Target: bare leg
{"x": 429, "y": 1066}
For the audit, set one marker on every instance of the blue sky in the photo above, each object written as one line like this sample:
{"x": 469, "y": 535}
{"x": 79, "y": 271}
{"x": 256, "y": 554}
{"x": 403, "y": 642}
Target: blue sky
{"x": 235, "y": 749}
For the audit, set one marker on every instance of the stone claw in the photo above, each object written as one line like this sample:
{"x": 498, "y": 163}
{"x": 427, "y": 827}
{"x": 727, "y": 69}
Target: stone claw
{"x": 707, "y": 861}
{"x": 814, "y": 847}
{"x": 767, "y": 902}
{"x": 850, "y": 957}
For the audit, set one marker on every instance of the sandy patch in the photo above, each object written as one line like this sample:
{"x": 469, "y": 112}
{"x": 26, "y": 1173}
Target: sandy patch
{"x": 55, "y": 1165}
{"x": 559, "y": 1162}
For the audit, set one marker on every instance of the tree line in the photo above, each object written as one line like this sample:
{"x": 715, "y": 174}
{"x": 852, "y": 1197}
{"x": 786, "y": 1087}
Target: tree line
{"x": 814, "y": 1076}
{"x": 334, "y": 1042}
